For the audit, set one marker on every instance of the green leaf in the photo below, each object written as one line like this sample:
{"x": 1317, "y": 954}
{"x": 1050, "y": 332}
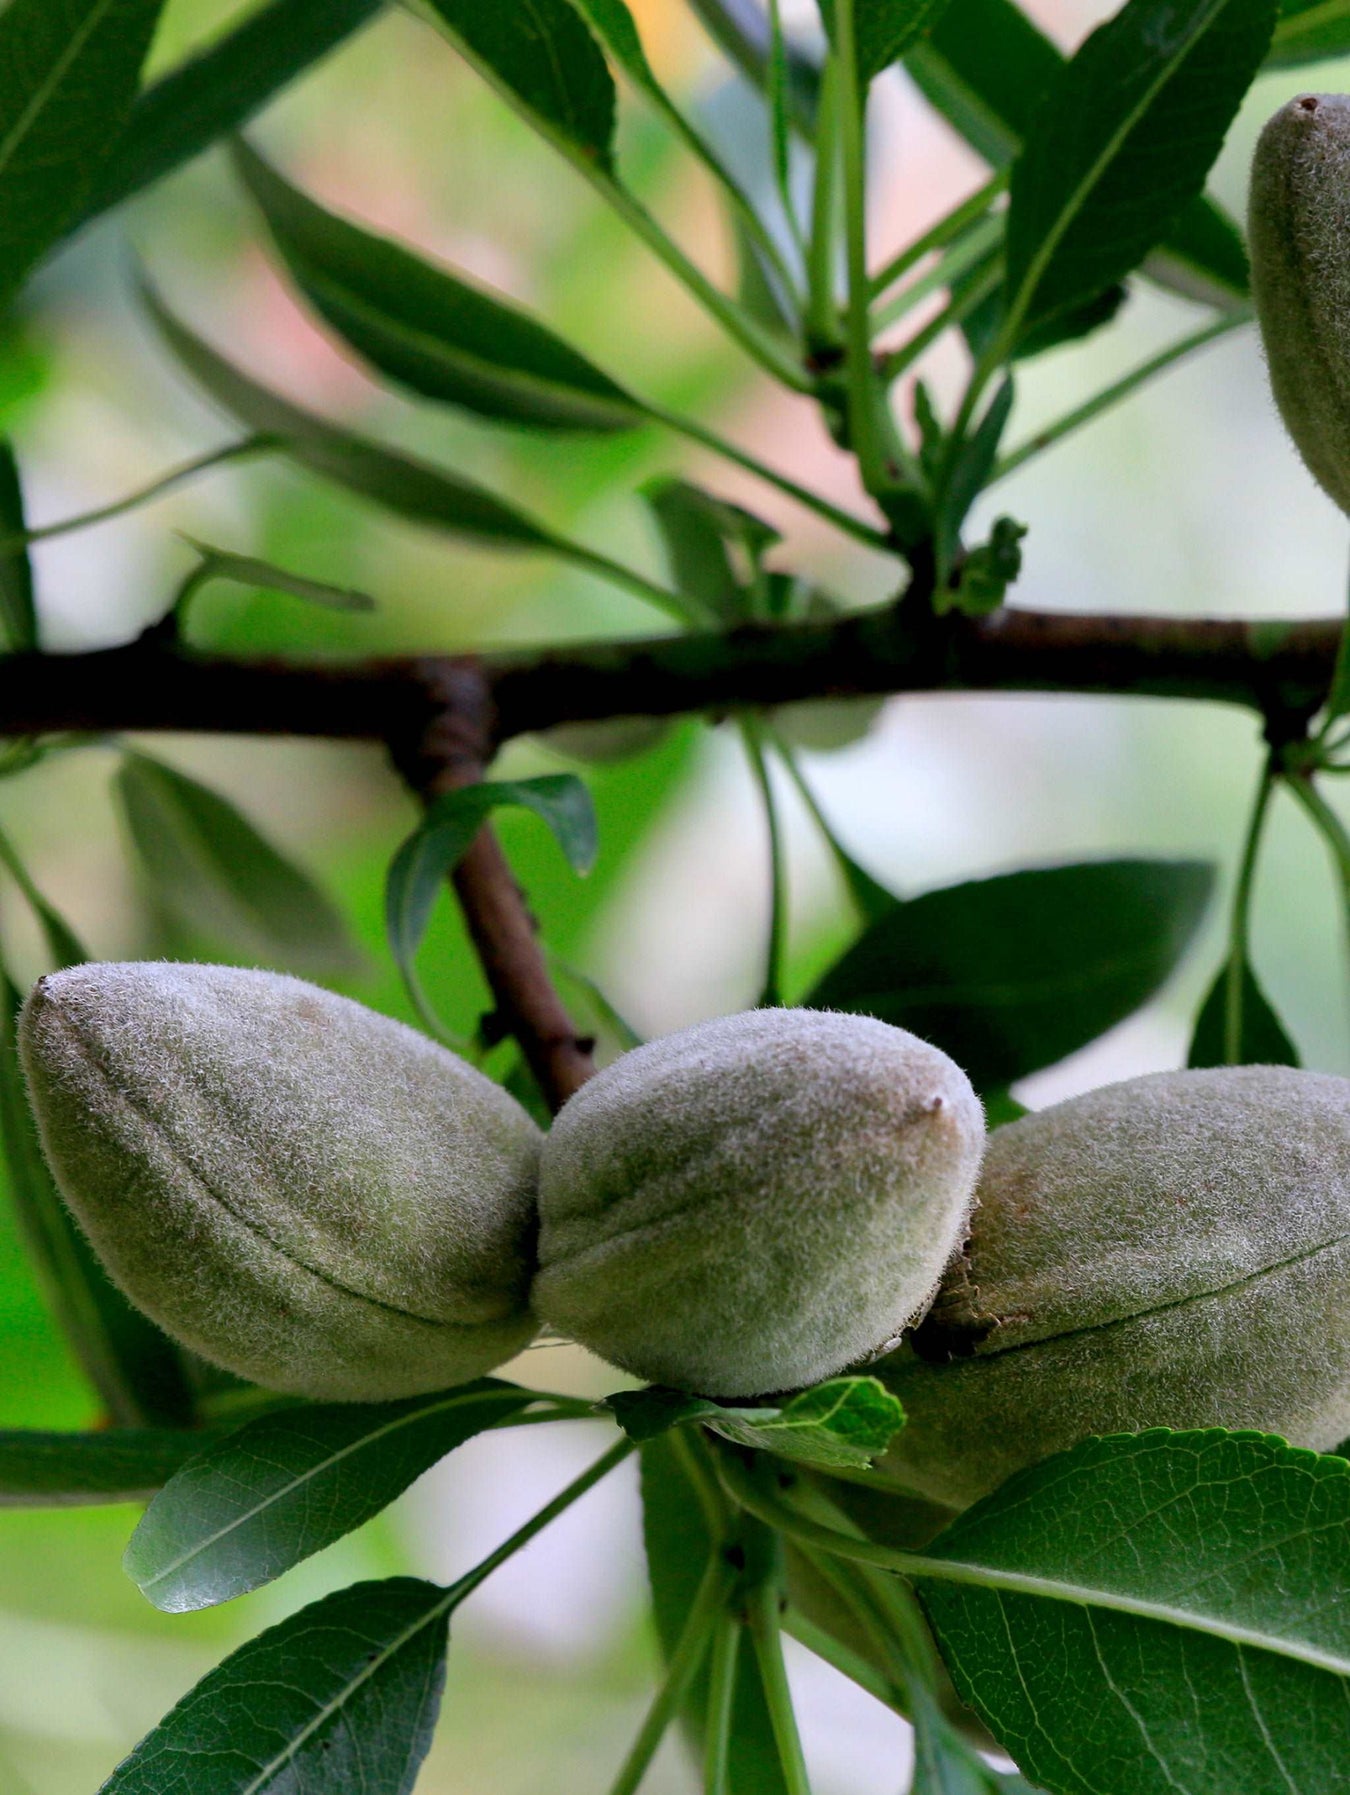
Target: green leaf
{"x": 1264, "y": 1040}
{"x": 1310, "y": 31}
{"x": 342, "y": 1696}
{"x": 247, "y": 570}
{"x": 428, "y": 328}
{"x": 1014, "y": 973}
{"x": 969, "y": 475}
{"x": 135, "y": 1370}
{"x": 209, "y": 864}
{"x": 884, "y": 29}
{"x": 678, "y": 1533}
{"x": 68, "y": 76}
{"x": 846, "y": 1423}
{"x": 249, "y": 1508}
{"x": 539, "y": 55}
{"x": 1157, "y": 1613}
{"x": 412, "y": 489}
{"x": 18, "y": 611}
{"x": 986, "y": 67}
{"x": 715, "y": 549}
{"x": 64, "y": 947}
{"x": 443, "y": 838}
{"x": 1121, "y": 142}
{"x": 220, "y": 89}
{"x": 58, "y": 1470}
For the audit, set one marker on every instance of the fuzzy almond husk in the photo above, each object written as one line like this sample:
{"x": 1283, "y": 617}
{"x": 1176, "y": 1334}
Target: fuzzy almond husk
{"x": 1299, "y": 238}
{"x": 299, "y": 1189}
{"x": 1173, "y": 1251}
{"x": 755, "y": 1203}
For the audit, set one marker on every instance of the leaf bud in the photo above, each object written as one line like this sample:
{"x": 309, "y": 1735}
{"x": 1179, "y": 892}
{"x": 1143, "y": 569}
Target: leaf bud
{"x": 1299, "y": 237}
{"x": 1173, "y": 1251}
{"x": 305, "y": 1192}
{"x": 757, "y": 1202}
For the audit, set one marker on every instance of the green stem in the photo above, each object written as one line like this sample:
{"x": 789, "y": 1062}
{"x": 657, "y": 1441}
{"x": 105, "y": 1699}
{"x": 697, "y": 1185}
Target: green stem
{"x": 66, "y": 526}
{"x": 1118, "y": 390}
{"x": 897, "y": 360}
{"x": 695, "y": 1462}
{"x": 940, "y": 234}
{"x": 782, "y": 138}
{"x": 765, "y": 1629}
{"x": 848, "y": 1663}
{"x": 963, "y": 256}
{"x": 695, "y": 1638}
{"x": 821, "y": 314}
{"x": 726, "y": 1651}
{"x": 1332, "y": 830}
{"x": 674, "y": 604}
{"x": 690, "y": 428}
{"x": 870, "y": 898}
{"x": 752, "y": 734}
{"x": 1240, "y": 924}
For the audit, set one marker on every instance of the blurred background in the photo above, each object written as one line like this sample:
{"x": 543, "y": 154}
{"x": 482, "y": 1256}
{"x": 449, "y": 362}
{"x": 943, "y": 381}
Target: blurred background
{"x": 1187, "y": 499}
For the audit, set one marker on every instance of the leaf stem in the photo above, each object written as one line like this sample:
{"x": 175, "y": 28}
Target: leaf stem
{"x": 1118, "y": 390}
{"x": 895, "y": 361}
{"x": 752, "y": 734}
{"x": 977, "y": 244}
{"x": 1330, "y": 827}
{"x": 942, "y": 233}
{"x": 1234, "y": 989}
{"x": 764, "y": 1617}
{"x": 722, "y": 1669}
{"x": 870, "y": 898}
{"x": 821, "y": 262}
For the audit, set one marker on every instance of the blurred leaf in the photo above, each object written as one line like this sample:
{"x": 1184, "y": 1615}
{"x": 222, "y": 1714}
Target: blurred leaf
{"x": 247, "y": 570}
{"x": 1120, "y": 142}
{"x": 64, "y": 947}
{"x": 1310, "y": 31}
{"x": 68, "y": 76}
{"x": 342, "y": 1696}
{"x": 540, "y": 56}
{"x": 209, "y": 864}
{"x": 55, "y": 1470}
{"x": 987, "y": 572}
{"x": 884, "y": 29}
{"x": 413, "y": 489}
{"x": 18, "y": 612}
{"x": 1263, "y": 1040}
{"x": 249, "y": 1508}
{"x": 678, "y": 1536}
{"x": 428, "y": 328}
{"x": 1014, "y": 973}
{"x": 969, "y": 476}
{"x": 845, "y": 1423}
{"x": 986, "y": 67}
{"x": 134, "y": 1368}
{"x": 701, "y": 534}
{"x": 740, "y": 29}
{"x": 220, "y": 89}
{"x": 1094, "y": 1595}
{"x": 441, "y": 841}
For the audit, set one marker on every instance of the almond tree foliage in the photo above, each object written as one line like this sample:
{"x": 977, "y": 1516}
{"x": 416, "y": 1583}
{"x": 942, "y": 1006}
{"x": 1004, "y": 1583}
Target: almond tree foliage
{"x": 1147, "y": 1612}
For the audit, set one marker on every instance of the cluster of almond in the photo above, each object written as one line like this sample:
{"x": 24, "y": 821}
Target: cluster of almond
{"x": 329, "y": 1204}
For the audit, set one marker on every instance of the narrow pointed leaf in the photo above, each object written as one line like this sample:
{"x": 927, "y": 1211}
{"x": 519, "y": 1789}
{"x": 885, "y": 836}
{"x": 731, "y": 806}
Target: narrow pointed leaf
{"x": 1263, "y": 1039}
{"x": 209, "y": 864}
{"x": 69, "y": 70}
{"x": 57, "y": 1470}
{"x": 1014, "y": 973}
{"x": 18, "y": 611}
{"x": 412, "y": 489}
{"x": 429, "y": 328}
{"x": 1157, "y": 1614}
{"x": 1310, "y": 31}
{"x": 541, "y": 57}
{"x": 343, "y": 1695}
{"x": 220, "y": 89}
{"x": 247, "y": 1509}
{"x": 248, "y": 570}
{"x": 1121, "y": 142}
{"x": 884, "y": 29}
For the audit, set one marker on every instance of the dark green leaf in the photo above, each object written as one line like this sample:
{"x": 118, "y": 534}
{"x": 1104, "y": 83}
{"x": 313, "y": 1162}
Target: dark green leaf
{"x": 431, "y": 329}
{"x": 539, "y": 55}
{"x": 220, "y": 89}
{"x": 678, "y": 1534}
{"x": 342, "y": 1696}
{"x": 846, "y": 1423}
{"x": 18, "y": 612}
{"x": 55, "y": 1470}
{"x": 986, "y": 67}
{"x": 1121, "y": 142}
{"x": 1157, "y": 1614}
{"x": 211, "y": 866}
{"x": 1263, "y": 1040}
{"x": 68, "y": 76}
{"x": 441, "y": 841}
{"x": 412, "y": 489}
{"x": 1310, "y": 31}
{"x": 715, "y": 549}
{"x": 248, "y": 570}
{"x": 884, "y": 29}
{"x": 249, "y": 1508}
{"x": 1014, "y": 973}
